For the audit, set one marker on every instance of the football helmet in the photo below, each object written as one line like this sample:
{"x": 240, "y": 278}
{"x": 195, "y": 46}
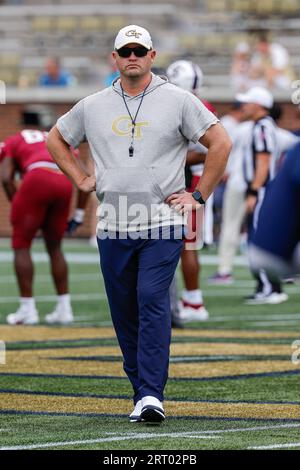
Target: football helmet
{"x": 186, "y": 75}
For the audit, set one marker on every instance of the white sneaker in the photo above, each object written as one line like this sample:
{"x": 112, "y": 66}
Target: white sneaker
{"x": 135, "y": 416}
{"x": 60, "y": 315}
{"x": 23, "y": 316}
{"x": 152, "y": 410}
{"x": 259, "y": 298}
{"x": 190, "y": 313}
{"x": 262, "y": 299}
{"x": 276, "y": 298}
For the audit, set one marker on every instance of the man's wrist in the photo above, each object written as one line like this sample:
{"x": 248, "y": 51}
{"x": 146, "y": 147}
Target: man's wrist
{"x": 198, "y": 197}
{"x": 251, "y": 192}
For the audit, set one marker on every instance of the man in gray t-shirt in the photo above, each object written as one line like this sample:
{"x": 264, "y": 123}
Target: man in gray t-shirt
{"x": 138, "y": 131}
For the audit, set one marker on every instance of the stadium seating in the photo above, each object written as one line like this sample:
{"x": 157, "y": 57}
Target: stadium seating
{"x": 205, "y": 31}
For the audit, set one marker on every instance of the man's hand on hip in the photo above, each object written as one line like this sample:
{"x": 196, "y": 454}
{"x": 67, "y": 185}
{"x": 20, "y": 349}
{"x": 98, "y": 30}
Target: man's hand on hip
{"x": 183, "y": 202}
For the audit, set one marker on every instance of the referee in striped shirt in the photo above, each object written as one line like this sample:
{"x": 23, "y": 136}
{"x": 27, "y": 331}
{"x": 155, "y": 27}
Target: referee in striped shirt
{"x": 261, "y": 154}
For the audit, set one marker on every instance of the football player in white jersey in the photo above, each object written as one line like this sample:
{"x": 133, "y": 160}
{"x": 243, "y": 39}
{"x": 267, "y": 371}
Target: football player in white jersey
{"x": 189, "y": 76}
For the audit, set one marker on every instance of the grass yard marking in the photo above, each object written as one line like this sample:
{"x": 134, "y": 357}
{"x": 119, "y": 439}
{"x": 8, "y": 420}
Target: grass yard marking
{"x": 45, "y": 278}
{"x": 174, "y": 379}
{"x": 275, "y": 446}
{"x": 53, "y": 298}
{"x": 128, "y": 397}
{"x": 47, "y": 361}
{"x": 256, "y": 317}
{"x": 91, "y": 258}
{"x": 46, "y": 333}
{"x": 254, "y": 428}
{"x": 274, "y": 323}
{"x": 89, "y": 405}
{"x": 105, "y": 439}
{"x": 209, "y": 434}
{"x": 99, "y": 296}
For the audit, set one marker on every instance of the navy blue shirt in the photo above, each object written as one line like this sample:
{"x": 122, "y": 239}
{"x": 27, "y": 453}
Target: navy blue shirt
{"x": 278, "y": 230}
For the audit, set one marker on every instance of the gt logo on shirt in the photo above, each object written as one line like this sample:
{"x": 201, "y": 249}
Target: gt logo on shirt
{"x": 122, "y": 127}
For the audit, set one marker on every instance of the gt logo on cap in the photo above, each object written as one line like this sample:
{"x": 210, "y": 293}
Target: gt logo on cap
{"x": 133, "y": 33}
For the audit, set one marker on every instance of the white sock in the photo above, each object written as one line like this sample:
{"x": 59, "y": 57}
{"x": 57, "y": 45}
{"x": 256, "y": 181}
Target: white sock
{"x": 28, "y": 303}
{"x": 224, "y": 272}
{"x": 64, "y": 301}
{"x": 193, "y": 296}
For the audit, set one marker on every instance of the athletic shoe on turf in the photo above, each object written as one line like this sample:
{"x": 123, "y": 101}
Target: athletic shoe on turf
{"x": 277, "y": 298}
{"x": 255, "y": 299}
{"x": 221, "y": 279}
{"x": 23, "y": 316}
{"x": 135, "y": 416}
{"x": 289, "y": 280}
{"x": 192, "y": 312}
{"x": 262, "y": 299}
{"x": 60, "y": 316}
{"x": 152, "y": 410}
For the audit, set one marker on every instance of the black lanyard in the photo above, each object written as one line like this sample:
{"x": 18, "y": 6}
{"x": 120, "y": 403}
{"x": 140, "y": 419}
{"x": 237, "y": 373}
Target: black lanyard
{"x": 133, "y": 120}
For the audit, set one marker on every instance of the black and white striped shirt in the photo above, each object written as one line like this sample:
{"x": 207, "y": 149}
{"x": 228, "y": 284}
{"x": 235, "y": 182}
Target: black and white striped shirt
{"x": 261, "y": 139}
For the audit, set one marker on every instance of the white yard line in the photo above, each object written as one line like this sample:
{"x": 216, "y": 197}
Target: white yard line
{"x": 46, "y": 278}
{"x": 104, "y": 439}
{"x": 239, "y": 291}
{"x": 273, "y": 323}
{"x": 258, "y": 316}
{"x": 209, "y": 434}
{"x": 275, "y": 446}
{"x": 253, "y": 429}
{"x": 53, "y": 298}
{"x": 93, "y": 258}
{"x": 95, "y": 296}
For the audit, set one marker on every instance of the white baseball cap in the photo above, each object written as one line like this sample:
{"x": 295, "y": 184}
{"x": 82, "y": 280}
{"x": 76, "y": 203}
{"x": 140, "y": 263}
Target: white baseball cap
{"x": 257, "y": 95}
{"x": 133, "y": 34}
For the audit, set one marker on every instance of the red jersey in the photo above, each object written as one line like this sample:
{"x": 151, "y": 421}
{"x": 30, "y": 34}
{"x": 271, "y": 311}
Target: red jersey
{"x": 26, "y": 148}
{"x": 210, "y": 107}
{"x": 1, "y": 151}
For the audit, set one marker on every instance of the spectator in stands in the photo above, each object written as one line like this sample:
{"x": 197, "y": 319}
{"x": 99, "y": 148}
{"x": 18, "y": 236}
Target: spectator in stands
{"x": 113, "y": 74}
{"x": 54, "y": 75}
{"x": 270, "y": 65}
{"x": 240, "y": 67}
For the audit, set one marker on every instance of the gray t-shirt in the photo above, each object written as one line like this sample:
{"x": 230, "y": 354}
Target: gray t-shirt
{"x": 132, "y": 190}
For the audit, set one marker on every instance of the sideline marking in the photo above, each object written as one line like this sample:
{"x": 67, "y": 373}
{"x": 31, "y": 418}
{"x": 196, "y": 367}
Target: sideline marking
{"x": 107, "y": 439}
{"x": 209, "y": 434}
{"x": 53, "y": 298}
{"x": 275, "y": 446}
{"x": 90, "y": 258}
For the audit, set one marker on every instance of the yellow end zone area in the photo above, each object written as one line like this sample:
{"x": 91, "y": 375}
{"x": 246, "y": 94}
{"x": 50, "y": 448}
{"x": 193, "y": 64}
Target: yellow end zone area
{"x": 46, "y": 333}
{"x": 88, "y": 360}
{"x": 20, "y": 402}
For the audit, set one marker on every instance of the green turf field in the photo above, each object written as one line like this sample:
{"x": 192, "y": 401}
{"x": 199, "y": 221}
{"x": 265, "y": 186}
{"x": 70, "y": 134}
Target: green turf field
{"x": 232, "y": 381}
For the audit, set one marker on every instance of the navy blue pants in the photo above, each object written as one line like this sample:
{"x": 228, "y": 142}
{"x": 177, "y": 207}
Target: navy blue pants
{"x": 137, "y": 276}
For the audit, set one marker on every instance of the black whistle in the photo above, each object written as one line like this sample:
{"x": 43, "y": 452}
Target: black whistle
{"x": 131, "y": 150}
